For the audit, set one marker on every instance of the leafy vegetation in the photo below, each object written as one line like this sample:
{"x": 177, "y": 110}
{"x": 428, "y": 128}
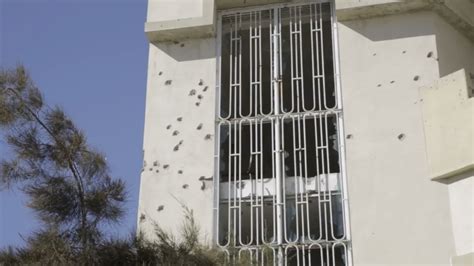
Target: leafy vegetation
{"x": 67, "y": 182}
{"x": 70, "y": 189}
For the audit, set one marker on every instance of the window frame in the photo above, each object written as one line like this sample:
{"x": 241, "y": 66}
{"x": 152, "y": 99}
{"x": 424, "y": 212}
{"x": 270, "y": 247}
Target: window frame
{"x": 339, "y": 117}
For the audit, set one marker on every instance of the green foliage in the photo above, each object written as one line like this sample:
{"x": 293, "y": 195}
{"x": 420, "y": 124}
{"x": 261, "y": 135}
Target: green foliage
{"x": 67, "y": 181}
{"x": 183, "y": 250}
{"x": 70, "y": 189}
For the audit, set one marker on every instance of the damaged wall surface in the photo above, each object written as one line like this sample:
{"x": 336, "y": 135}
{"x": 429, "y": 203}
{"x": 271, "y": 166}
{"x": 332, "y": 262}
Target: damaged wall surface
{"x": 178, "y": 141}
{"x": 398, "y": 215}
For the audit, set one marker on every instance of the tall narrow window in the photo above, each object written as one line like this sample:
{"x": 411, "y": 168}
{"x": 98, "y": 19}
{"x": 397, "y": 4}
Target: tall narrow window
{"x": 279, "y": 161}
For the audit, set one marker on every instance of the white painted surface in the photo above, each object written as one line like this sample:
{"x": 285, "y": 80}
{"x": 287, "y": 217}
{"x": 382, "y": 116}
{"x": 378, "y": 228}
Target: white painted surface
{"x": 448, "y": 118}
{"x": 185, "y": 67}
{"x": 461, "y": 200}
{"x": 164, "y": 10}
{"x": 398, "y": 215}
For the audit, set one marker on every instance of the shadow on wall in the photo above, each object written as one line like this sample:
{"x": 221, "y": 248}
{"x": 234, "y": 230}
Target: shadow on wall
{"x": 447, "y": 181}
{"x": 454, "y": 50}
{"x": 189, "y": 50}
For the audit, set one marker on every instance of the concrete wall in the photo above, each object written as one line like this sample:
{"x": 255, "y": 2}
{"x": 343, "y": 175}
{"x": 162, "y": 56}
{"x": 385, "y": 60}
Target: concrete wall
{"x": 398, "y": 215}
{"x": 396, "y": 212}
{"x": 178, "y": 142}
{"x": 448, "y": 112}
{"x": 168, "y": 20}
{"x": 461, "y": 200}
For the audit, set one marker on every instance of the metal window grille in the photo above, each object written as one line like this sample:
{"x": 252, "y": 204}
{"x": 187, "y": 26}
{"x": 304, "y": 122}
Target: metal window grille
{"x": 280, "y": 188}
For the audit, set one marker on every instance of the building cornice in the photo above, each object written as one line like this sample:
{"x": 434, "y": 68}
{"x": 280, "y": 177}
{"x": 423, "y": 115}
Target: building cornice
{"x": 460, "y": 14}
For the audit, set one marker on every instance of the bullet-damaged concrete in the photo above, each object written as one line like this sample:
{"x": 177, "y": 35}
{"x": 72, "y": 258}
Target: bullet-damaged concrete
{"x": 406, "y": 72}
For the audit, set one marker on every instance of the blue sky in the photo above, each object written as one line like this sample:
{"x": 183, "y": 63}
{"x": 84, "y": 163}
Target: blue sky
{"x": 89, "y": 56}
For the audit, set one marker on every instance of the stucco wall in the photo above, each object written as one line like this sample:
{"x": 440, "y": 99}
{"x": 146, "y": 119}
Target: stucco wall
{"x": 448, "y": 118}
{"x": 163, "y": 10}
{"x": 398, "y": 216}
{"x": 179, "y": 135}
{"x": 461, "y": 200}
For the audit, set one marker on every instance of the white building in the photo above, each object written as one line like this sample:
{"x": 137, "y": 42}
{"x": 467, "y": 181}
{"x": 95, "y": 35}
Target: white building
{"x": 336, "y": 132}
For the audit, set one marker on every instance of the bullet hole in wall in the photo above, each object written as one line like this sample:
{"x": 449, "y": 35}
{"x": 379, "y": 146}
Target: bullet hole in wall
{"x": 142, "y": 217}
{"x": 379, "y": 85}
{"x": 182, "y": 45}
{"x": 198, "y": 103}
{"x": 168, "y": 82}
{"x": 416, "y": 78}
{"x": 401, "y": 137}
{"x": 199, "y": 127}
{"x": 175, "y": 133}
{"x": 176, "y": 148}
{"x": 166, "y": 166}
{"x": 160, "y": 208}
{"x": 180, "y": 172}
{"x": 208, "y": 137}
{"x": 168, "y": 127}
{"x": 156, "y": 163}
{"x": 185, "y": 186}
{"x": 160, "y": 73}
{"x": 404, "y": 52}
{"x": 192, "y": 92}
{"x": 205, "y": 89}
{"x": 157, "y": 171}
{"x": 201, "y": 82}
{"x": 429, "y": 55}
{"x": 199, "y": 97}
{"x": 393, "y": 81}
{"x": 179, "y": 119}
{"x": 349, "y": 136}
{"x": 203, "y": 186}
{"x": 203, "y": 178}
{"x": 151, "y": 169}
{"x": 374, "y": 54}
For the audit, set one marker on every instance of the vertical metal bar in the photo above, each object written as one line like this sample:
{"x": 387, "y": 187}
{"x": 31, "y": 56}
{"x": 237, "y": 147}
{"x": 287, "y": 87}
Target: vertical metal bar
{"x": 311, "y": 33}
{"x": 300, "y": 70}
{"x": 278, "y": 164}
{"x": 216, "y": 183}
{"x": 341, "y": 134}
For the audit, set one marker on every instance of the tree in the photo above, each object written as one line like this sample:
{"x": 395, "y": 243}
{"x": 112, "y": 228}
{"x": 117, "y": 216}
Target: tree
{"x": 70, "y": 189}
{"x": 67, "y": 182}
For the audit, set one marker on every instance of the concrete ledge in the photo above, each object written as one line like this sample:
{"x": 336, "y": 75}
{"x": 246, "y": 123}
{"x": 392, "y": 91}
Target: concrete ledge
{"x": 454, "y": 173}
{"x": 228, "y": 4}
{"x": 369, "y": 9}
{"x": 173, "y": 32}
{"x": 454, "y": 12}
{"x": 458, "y": 13}
{"x": 448, "y": 116}
{"x": 185, "y": 28}
{"x": 464, "y": 260}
